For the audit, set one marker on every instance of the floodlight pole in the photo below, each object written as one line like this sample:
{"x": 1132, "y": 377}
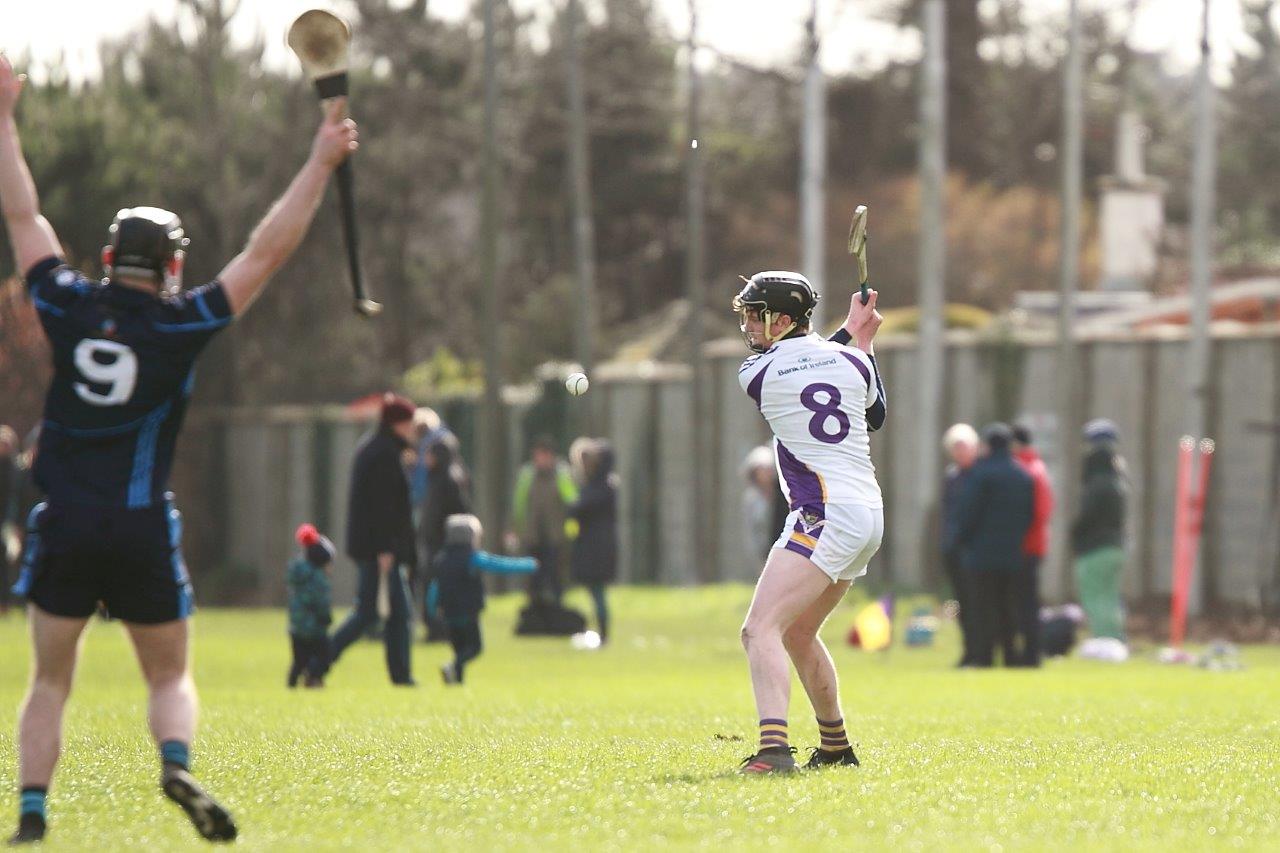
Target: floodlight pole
{"x": 1068, "y": 420}
{"x": 930, "y": 341}
{"x": 584, "y": 236}
{"x": 695, "y": 214}
{"x": 813, "y": 175}
{"x": 1203, "y": 201}
{"x": 492, "y": 458}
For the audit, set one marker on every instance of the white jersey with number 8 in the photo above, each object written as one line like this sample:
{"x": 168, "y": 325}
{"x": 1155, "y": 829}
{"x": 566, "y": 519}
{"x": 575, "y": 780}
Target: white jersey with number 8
{"x": 815, "y": 395}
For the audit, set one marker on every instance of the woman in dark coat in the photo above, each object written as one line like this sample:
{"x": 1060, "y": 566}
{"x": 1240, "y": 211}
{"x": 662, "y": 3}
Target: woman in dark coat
{"x": 594, "y": 559}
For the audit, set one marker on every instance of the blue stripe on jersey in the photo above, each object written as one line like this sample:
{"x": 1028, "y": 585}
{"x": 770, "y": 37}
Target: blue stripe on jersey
{"x": 186, "y": 601}
{"x": 144, "y": 457}
{"x": 196, "y": 326}
{"x": 41, "y": 305}
{"x": 31, "y": 554}
{"x": 203, "y": 308}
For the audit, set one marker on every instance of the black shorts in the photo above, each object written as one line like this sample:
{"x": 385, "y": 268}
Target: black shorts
{"x": 130, "y": 560}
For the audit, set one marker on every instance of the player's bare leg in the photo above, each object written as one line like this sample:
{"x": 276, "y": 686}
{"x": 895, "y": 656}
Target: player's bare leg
{"x": 789, "y": 585}
{"x": 55, "y": 643}
{"x": 818, "y": 675}
{"x": 164, "y": 654}
{"x": 810, "y": 656}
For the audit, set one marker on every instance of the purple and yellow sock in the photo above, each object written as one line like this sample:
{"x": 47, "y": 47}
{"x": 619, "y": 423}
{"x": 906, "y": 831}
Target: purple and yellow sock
{"x": 773, "y": 733}
{"x": 833, "y": 735}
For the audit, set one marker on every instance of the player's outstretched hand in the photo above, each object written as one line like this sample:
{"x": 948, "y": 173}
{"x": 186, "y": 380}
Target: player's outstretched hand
{"x": 10, "y": 86}
{"x": 863, "y": 320}
{"x": 337, "y": 137}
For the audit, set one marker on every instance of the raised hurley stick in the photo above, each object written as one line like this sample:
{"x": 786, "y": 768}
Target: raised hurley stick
{"x": 858, "y": 246}
{"x": 322, "y": 42}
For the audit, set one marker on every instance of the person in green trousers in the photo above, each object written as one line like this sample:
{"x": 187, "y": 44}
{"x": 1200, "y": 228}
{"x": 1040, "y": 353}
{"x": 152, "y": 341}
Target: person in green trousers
{"x": 1097, "y": 534}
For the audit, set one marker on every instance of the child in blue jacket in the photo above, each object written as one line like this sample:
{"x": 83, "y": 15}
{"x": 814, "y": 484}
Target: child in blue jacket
{"x": 458, "y": 588}
{"x": 310, "y": 607}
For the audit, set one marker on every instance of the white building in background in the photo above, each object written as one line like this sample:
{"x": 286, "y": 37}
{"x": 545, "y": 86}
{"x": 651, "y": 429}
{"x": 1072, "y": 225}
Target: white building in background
{"x": 1131, "y": 217}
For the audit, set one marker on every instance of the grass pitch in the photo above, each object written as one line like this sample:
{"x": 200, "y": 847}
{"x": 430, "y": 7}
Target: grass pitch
{"x": 634, "y": 746}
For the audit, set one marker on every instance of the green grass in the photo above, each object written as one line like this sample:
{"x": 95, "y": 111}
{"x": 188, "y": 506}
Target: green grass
{"x": 634, "y": 746}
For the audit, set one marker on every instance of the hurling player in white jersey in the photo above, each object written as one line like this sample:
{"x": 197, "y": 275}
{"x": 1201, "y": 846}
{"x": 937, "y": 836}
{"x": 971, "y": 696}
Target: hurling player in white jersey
{"x": 820, "y": 398}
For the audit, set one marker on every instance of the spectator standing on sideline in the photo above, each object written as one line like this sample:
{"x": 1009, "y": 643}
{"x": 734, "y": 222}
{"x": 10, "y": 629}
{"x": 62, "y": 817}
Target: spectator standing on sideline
{"x": 961, "y": 443}
{"x": 1097, "y": 536}
{"x": 544, "y": 491}
{"x": 594, "y": 560}
{"x": 427, "y": 430}
{"x": 380, "y": 536}
{"x": 764, "y": 508}
{"x": 448, "y": 493}
{"x": 996, "y": 509}
{"x": 1026, "y": 591}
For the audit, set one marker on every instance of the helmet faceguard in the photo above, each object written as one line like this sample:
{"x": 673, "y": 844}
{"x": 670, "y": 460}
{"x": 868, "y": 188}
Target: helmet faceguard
{"x": 147, "y": 242}
{"x": 774, "y": 294}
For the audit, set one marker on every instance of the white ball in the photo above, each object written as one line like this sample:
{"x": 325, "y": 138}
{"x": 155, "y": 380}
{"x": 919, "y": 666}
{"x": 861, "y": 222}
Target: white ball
{"x": 577, "y": 384}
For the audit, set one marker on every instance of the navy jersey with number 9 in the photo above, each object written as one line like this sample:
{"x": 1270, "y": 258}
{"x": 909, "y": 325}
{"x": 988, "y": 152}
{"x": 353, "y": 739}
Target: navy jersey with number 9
{"x": 124, "y": 364}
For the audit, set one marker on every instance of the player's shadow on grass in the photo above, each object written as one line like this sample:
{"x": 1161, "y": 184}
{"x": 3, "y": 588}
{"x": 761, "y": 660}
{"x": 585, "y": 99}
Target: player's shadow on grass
{"x": 719, "y": 775}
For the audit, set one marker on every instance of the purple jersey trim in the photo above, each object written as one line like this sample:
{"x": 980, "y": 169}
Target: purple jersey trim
{"x": 755, "y": 388}
{"x": 862, "y": 368}
{"x": 804, "y": 486}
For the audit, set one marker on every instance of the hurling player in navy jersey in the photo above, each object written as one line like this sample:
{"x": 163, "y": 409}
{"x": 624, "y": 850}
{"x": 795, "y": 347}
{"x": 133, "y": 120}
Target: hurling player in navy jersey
{"x": 124, "y": 350}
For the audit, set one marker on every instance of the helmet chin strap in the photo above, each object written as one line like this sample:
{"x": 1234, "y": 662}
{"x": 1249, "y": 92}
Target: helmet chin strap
{"x": 767, "y": 316}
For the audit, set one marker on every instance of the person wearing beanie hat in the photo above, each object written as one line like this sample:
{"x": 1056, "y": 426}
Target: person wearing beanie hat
{"x": 1097, "y": 532}
{"x": 380, "y": 537}
{"x": 995, "y": 511}
{"x": 310, "y": 606}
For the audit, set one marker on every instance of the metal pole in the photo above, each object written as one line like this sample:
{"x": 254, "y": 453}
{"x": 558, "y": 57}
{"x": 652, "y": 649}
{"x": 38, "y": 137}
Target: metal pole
{"x": 584, "y": 237}
{"x": 813, "y": 174}
{"x": 933, "y": 258}
{"x": 492, "y": 457}
{"x": 1068, "y": 282}
{"x": 1203, "y": 168}
{"x": 694, "y": 210}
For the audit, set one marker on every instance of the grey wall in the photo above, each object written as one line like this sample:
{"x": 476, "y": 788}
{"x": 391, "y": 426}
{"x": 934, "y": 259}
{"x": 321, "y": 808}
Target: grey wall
{"x": 274, "y": 460}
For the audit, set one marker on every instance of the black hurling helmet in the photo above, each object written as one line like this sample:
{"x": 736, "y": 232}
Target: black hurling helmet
{"x": 143, "y": 239}
{"x": 774, "y": 293}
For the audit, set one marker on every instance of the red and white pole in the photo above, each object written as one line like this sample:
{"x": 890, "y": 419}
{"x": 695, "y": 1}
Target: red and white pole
{"x": 1188, "y": 526}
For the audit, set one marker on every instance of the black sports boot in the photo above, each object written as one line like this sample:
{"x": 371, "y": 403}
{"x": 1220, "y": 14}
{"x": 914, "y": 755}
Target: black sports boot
{"x": 212, "y": 821}
{"x": 771, "y": 759}
{"x": 819, "y": 757}
{"x": 30, "y": 830}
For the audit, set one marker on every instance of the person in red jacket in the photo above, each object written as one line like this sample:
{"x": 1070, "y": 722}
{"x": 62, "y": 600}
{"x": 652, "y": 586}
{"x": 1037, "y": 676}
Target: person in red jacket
{"x": 1035, "y": 546}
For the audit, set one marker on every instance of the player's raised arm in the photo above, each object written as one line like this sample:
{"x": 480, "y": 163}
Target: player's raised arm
{"x": 282, "y": 229}
{"x": 30, "y": 233}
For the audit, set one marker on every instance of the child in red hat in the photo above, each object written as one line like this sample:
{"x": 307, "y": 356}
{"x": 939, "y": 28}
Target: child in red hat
{"x": 310, "y": 606}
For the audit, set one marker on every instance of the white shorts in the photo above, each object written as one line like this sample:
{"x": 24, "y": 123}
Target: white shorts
{"x": 840, "y": 539}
